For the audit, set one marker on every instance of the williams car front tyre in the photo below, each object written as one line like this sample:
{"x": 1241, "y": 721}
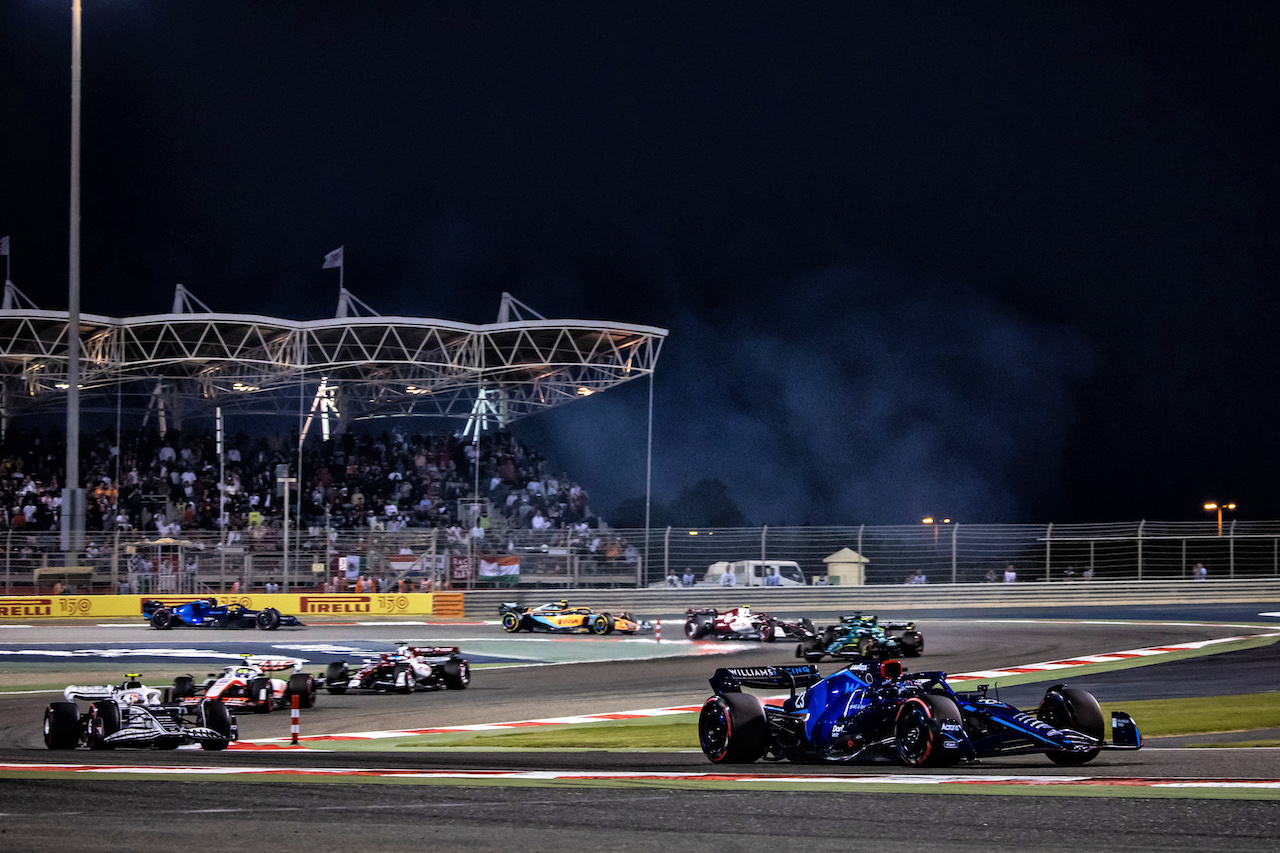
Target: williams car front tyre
{"x": 1078, "y": 710}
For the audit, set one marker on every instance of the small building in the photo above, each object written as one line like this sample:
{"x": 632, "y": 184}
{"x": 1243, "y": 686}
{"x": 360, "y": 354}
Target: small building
{"x": 846, "y": 567}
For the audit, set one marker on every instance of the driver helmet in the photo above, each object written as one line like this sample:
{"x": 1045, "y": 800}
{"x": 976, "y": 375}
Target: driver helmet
{"x": 245, "y": 672}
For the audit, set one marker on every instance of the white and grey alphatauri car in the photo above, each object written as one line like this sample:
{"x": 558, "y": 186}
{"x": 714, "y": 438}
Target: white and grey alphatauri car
{"x": 133, "y": 715}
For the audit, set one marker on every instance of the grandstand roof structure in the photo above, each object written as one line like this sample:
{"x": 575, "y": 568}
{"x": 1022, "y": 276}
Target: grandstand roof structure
{"x": 192, "y": 360}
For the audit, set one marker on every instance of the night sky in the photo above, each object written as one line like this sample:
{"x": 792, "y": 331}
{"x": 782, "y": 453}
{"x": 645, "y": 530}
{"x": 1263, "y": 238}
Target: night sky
{"x": 1003, "y": 262}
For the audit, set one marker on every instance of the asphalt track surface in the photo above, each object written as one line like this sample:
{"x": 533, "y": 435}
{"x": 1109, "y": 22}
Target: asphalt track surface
{"x": 61, "y": 813}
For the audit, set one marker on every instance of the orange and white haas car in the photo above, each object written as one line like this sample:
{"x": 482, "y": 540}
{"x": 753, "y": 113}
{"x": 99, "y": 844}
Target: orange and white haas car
{"x": 558, "y": 617}
{"x": 250, "y": 684}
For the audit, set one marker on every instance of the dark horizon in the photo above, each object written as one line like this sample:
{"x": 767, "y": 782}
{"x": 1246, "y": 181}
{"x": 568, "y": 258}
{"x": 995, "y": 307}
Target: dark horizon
{"x": 1000, "y": 262}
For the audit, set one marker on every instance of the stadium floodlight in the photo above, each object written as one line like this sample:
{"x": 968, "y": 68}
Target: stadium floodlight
{"x": 1211, "y": 507}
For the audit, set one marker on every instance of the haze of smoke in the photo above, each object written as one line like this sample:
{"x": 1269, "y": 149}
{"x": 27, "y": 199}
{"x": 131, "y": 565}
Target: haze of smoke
{"x": 855, "y": 395}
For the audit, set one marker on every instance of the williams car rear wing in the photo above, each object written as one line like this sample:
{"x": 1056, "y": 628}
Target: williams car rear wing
{"x": 732, "y": 679}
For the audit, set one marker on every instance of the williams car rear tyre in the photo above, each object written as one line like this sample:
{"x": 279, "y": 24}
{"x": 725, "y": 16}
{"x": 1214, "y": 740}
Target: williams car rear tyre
{"x": 214, "y": 715}
{"x": 104, "y": 720}
{"x": 510, "y": 622}
{"x": 304, "y": 687}
{"x": 457, "y": 674}
{"x": 336, "y": 676}
{"x": 268, "y": 619}
{"x": 732, "y": 729}
{"x": 1078, "y": 710}
{"x": 61, "y": 725}
{"x": 919, "y": 731}
{"x": 162, "y": 619}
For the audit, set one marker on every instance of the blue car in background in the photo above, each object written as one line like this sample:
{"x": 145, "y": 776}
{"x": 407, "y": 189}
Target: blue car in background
{"x": 878, "y": 712}
{"x": 207, "y": 613}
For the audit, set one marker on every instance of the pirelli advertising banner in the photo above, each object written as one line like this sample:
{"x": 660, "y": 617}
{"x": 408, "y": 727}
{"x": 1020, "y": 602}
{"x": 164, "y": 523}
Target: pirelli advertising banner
{"x": 350, "y": 605}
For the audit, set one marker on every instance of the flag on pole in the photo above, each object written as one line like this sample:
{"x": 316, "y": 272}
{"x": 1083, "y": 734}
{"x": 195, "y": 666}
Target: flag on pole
{"x": 4, "y": 246}
{"x": 331, "y": 260}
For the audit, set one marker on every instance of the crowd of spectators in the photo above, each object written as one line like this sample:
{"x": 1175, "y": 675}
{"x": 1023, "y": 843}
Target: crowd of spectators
{"x": 385, "y": 481}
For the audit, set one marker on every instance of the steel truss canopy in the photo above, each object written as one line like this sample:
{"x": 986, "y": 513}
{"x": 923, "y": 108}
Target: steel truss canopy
{"x": 191, "y": 361}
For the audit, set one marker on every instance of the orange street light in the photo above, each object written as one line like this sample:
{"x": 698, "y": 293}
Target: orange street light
{"x": 1210, "y": 507}
{"x": 930, "y": 520}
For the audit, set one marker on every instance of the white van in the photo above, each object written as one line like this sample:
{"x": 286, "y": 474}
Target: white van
{"x": 754, "y": 573}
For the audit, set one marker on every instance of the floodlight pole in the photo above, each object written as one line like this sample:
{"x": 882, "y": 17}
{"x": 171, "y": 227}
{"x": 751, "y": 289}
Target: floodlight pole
{"x": 648, "y": 487}
{"x": 286, "y": 481}
{"x": 72, "y": 493}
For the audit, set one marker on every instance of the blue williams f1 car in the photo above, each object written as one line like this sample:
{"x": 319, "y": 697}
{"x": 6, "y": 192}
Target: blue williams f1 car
{"x": 207, "y": 613}
{"x": 877, "y": 712}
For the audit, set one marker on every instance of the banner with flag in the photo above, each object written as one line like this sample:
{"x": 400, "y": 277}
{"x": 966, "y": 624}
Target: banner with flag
{"x": 331, "y": 260}
{"x": 500, "y": 568}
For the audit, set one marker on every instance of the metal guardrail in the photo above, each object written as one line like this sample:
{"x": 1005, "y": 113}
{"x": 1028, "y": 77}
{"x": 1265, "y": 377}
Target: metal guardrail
{"x": 789, "y": 601}
{"x": 947, "y": 554}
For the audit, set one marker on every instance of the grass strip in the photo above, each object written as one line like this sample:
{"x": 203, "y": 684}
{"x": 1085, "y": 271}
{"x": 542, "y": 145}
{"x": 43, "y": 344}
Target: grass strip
{"x": 1199, "y": 715}
{"x": 1114, "y": 666}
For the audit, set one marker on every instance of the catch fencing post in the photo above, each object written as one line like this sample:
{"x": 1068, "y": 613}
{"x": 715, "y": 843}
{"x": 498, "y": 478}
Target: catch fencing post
{"x": 955, "y": 531}
{"x": 1048, "y": 549}
{"x": 293, "y": 719}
